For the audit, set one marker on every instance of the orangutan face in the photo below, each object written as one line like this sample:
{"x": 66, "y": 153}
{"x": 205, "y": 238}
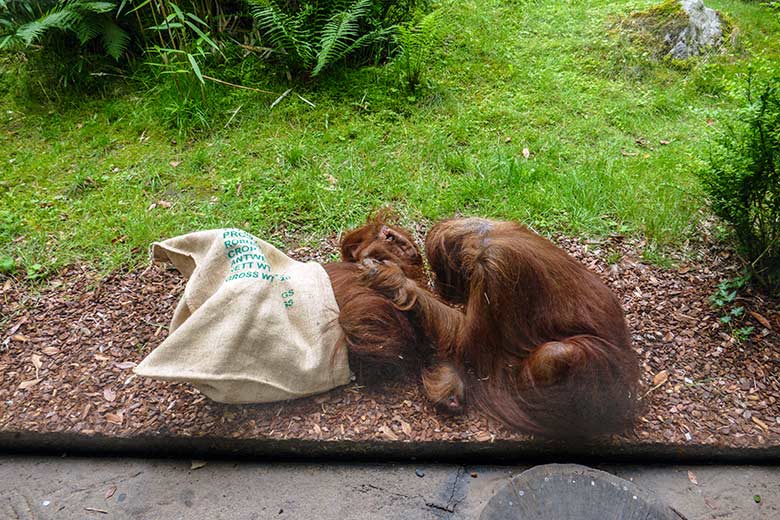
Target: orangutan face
{"x": 379, "y": 241}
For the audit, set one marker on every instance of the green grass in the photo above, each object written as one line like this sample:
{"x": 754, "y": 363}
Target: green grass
{"x": 78, "y": 177}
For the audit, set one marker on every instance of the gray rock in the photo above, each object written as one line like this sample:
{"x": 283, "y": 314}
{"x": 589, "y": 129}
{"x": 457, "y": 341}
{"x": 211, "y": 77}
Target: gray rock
{"x": 704, "y": 31}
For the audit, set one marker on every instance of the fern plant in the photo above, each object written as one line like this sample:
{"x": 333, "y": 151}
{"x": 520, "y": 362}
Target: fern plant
{"x": 26, "y": 22}
{"x": 311, "y": 36}
{"x": 416, "y": 41}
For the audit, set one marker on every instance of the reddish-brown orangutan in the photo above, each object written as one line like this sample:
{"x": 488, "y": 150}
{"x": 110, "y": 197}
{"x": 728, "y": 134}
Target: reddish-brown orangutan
{"x": 376, "y": 332}
{"x": 536, "y": 341}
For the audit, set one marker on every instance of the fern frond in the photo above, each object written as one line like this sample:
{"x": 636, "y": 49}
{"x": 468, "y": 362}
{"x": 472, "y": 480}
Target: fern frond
{"x": 376, "y": 36}
{"x": 337, "y": 34}
{"x": 418, "y": 37}
{"x": 92, "y": 7}
{"x": 34, "y": 30}
{"x": 115, "y": 39}
{"x": 7, "y": 41}
{"x": 285, "y": 33}
{"x": 324, "y": 11}
{"x": 84, "y": 19}
{"x": 314, "y": 34}
{"x": 87, "y": 27}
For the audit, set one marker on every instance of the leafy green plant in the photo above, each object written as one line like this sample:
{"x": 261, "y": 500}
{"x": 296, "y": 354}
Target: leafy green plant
{"x": 727, "y": 292}
{"x": 178, "y": 49}
{"x": 416, "y": 41}
{"x": 36, "y": 272}
{"x": 733, "y": 315}
{"x": 10, "y": 225}
{"x": 310, "y": 36}
{"x": 27, "y": 22}
{"x": 61, "y": 47}
{"x": 742, "y": 334}
{"x": 64, "y": 43}
{"x": 742, "y": 179}
{"x": 179, "y": 46}
{"x": 7, "y": 264}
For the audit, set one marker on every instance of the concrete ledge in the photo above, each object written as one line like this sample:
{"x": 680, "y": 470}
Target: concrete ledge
{"x": 503, "y": 452}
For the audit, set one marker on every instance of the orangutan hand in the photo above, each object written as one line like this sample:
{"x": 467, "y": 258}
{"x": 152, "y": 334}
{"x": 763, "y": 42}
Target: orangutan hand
{"x": 389, "y": 279}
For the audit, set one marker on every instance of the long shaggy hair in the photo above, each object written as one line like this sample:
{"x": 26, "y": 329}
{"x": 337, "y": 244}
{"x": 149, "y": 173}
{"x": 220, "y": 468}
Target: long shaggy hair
{"x": 541, "y": 344}
{"x": 379, "y": 336}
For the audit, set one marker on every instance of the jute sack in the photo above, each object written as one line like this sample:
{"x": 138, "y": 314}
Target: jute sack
{"x": 253, "y": 325}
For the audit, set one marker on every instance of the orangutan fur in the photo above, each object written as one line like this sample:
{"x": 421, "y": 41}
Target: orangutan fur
{"x": 377, "y": 334}
{"x": 444, "y": 386}
{"x": 540, "y": 344}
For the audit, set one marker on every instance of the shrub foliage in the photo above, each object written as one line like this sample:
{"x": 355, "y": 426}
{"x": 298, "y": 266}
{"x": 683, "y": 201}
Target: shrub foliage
{"x": 312, "y": 35}
{"x": 743, "y": 180}
{"x": 307, "y": 36}
{"x": 27, "y": 22}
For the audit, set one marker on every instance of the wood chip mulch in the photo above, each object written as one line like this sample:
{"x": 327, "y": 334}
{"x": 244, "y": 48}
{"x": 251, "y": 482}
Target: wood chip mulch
{"x": 67, "y": 351}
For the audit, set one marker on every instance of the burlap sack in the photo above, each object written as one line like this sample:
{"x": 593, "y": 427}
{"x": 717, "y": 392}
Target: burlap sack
{"x": 253, "y": 325}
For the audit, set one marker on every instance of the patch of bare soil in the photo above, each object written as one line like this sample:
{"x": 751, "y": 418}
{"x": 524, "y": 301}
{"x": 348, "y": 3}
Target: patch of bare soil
{"x": 67, "y": 353}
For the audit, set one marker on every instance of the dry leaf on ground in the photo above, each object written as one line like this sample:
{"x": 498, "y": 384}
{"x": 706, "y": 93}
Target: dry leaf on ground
{"x": 109, "y": 394}
{"x": 388, "y": 433}
{"x": 24, "y": 385}
{"x": 761, "y": 319}
{"x": 661, "y": 377}
{"x": 115, "y": 418}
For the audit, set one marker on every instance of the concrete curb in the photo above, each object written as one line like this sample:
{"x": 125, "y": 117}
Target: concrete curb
{"x": 498, "y": 452}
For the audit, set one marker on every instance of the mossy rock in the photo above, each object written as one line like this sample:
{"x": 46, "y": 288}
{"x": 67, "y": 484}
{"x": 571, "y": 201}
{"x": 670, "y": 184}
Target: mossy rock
{"x": 668, "y": 31}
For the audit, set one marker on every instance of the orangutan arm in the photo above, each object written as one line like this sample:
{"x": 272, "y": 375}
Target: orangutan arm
{"x": 444, "y": 325}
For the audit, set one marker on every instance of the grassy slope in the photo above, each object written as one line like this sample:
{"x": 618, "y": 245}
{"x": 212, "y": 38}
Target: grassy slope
{"x": 77, "y": 183}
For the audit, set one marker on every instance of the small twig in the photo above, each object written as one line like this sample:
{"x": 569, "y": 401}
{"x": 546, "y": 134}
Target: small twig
{"x": 259, "y": 50}
{"x": 284, "y": 95}
{"x": 306, "y": 101}
{"x": 99, "y": 74}
{"x": 96, "y": 510}
{"x": 234, "y": 115}
{"x": 765, "y": 251}
{"x": 153, "y": 323}
{"x": 659, "y": 385}
{"x": 148, "y": 268}
{"x": 237, "y": 86}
